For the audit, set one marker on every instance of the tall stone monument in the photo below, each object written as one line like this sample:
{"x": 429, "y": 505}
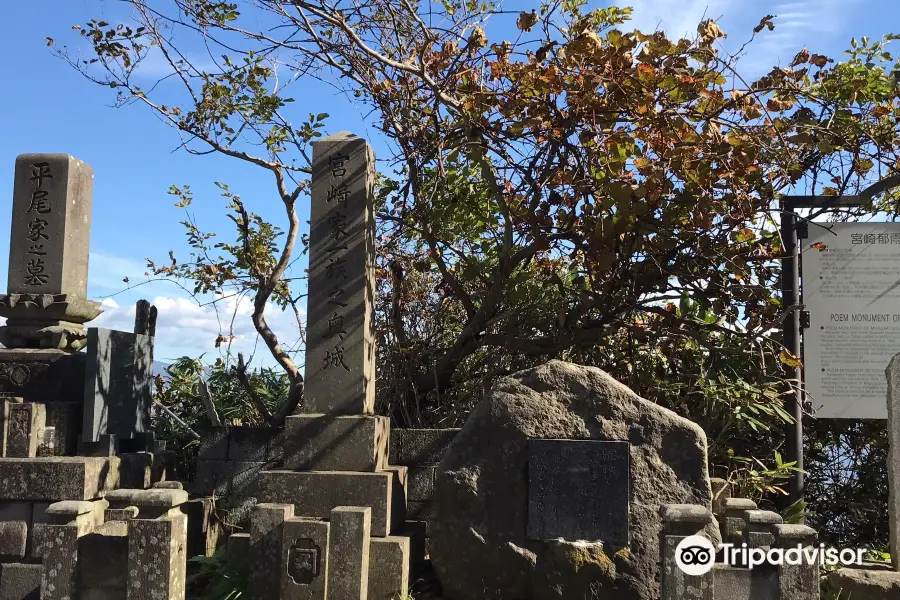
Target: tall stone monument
{"x": 340, "y": 363}
{"x": 335, "y": 452}
{"x": 46, "y": 305}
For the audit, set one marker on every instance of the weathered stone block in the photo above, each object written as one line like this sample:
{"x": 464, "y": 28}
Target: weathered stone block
{"x": 244, "y": 481}
{"x": 13, "y": 539}
{"x": 425, "y": 446}
{"x": 57, "y": 546}
{"x": 865, "y": 584}
{"x": 20, "y": 581}
{"x": 731, "y": 583}
{"x": 136, "y": 470}
{"x": 266, "y": 541}
{"x": 395, "y": 445}
{"x": 203, "y": 529}
{"x": 316, "y": 493}
{"x": 103, "y": 560}
{"x": 213, "y": 478}
{"x": 65, "y": 419}
{"x": 121, "y": 514}
{"x": 320, "y": 442}
{"x": 348, "y": 553}
{"x": 213, "y": 443}
{"x": 43, "y": 375}
{"x": 237, "y": 550}
{"x": 415, "y": 531}
{"x": 305, "y": 552}
{"x": 419, "y": 511}
{"x": 24, "y": 428}
{"x": 421, "y": 484}
{"x": 388, "y": 567}
{"x": 15, "y": 511}
{"x": 157, "y": 561}
{"x": 250, "y": 444}
{"x": 151, "y": 504}
{"x": 57, "y": 478}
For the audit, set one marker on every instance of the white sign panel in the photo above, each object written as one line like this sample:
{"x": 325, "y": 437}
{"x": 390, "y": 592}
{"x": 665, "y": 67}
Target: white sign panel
{"x": 851, "y": 288}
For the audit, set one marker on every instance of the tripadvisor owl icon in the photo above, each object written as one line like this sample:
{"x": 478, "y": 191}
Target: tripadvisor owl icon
{"x": 695, "y": 555}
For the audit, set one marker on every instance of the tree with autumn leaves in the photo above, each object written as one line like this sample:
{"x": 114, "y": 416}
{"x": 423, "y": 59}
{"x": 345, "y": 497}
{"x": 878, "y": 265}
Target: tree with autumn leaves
{"x": 571, "y": 189}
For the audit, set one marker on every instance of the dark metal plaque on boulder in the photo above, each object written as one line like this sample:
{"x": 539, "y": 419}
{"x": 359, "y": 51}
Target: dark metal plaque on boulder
{"x": 578, "y": 490}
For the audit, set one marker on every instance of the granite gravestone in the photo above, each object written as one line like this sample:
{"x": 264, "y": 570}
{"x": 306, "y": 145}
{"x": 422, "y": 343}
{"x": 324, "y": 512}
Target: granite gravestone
{"x": 117, "y": 394}
{"x": 340, "y": 365}
{"x": 46, "y": 304}
{"x": 578, "y": 490}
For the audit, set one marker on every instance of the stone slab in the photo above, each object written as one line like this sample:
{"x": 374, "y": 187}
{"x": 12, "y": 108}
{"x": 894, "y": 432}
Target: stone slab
{"x": 420, "y": 512}
{"x": 237, "y": 550}
{"x": 266, "y": 543}
{"x": 24, "y": 428}
{"x": 65, "y": 419}
{"x": 157, "y": 559}
{"x": 213, "y": 477}
{"x": 117, "y": 373}
{"x": 421, "y": 484}
{"x": 136, "y": 470}
{"x": 348, "y": 553}
{"x": 425, "y": 446}
{"x": 51, "y": 225}
{"x": 389, "y": 561}
{"x": 42, "y": 375}
{"x": 15, "y": 511}
{"x": 20, "y": 581}
{"x": 305, "y": 552}
{"x": 213, "y": 443}
{"x": 57, "y": 478}
{"x": 316, "y": 493}
{"x": 340, "y": 355}
{"x": 13, "y": 539}
{"x": 565, "y": 478}
{"x": 865, "y": 584}
{"x": 251, "y": 444}
{"x": 320, "y": 442}
{"x": 732, "y": 583}
{"x": 103, "y": 560}
{"x": 57, "y": 546}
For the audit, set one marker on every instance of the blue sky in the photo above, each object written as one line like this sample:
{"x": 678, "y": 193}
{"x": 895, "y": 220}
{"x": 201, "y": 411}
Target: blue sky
{"x": 48, "y": 107}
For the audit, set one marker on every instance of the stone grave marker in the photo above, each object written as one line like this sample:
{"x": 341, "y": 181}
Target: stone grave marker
{"x": 579, "y": 490}
{"x": 340, "y": 363}
{"x": 46, "y": 304}
{"x": 117, "y": 393}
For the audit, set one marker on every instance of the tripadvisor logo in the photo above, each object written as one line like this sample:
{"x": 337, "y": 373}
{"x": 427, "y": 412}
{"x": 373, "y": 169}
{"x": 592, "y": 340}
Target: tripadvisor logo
{"x": 696, "y": 555}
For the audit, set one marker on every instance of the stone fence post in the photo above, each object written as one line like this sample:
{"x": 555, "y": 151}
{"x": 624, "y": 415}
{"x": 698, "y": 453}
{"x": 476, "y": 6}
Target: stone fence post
{"x": 678, "y": 522}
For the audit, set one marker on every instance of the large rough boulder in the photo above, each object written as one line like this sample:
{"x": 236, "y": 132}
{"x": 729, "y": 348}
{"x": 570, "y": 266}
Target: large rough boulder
{"x": 478, "y": 524}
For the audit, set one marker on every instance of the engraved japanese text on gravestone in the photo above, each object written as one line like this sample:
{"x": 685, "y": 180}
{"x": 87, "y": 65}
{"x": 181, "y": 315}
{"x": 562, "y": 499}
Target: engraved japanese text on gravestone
{"x": 565, "y": 480}
{"x": 340, "y": 365}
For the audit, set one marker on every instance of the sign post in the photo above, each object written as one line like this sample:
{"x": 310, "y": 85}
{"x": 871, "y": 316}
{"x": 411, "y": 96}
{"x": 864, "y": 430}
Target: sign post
{"x": 795, "y": 231}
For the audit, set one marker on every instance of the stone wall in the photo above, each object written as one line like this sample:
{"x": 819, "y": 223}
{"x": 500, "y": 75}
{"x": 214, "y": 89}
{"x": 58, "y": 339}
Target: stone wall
{"x": 230, "y": 460}
{"x": 420, "y": 450}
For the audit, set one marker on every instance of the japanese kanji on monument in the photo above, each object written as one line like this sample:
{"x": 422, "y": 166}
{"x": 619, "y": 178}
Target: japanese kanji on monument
{"x": 340, "y": 356}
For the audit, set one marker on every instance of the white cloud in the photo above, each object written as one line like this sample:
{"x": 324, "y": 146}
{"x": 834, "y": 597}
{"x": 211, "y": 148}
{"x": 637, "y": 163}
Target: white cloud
{"x": 185, "y": 328}
{"x": 677, "y": 18}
